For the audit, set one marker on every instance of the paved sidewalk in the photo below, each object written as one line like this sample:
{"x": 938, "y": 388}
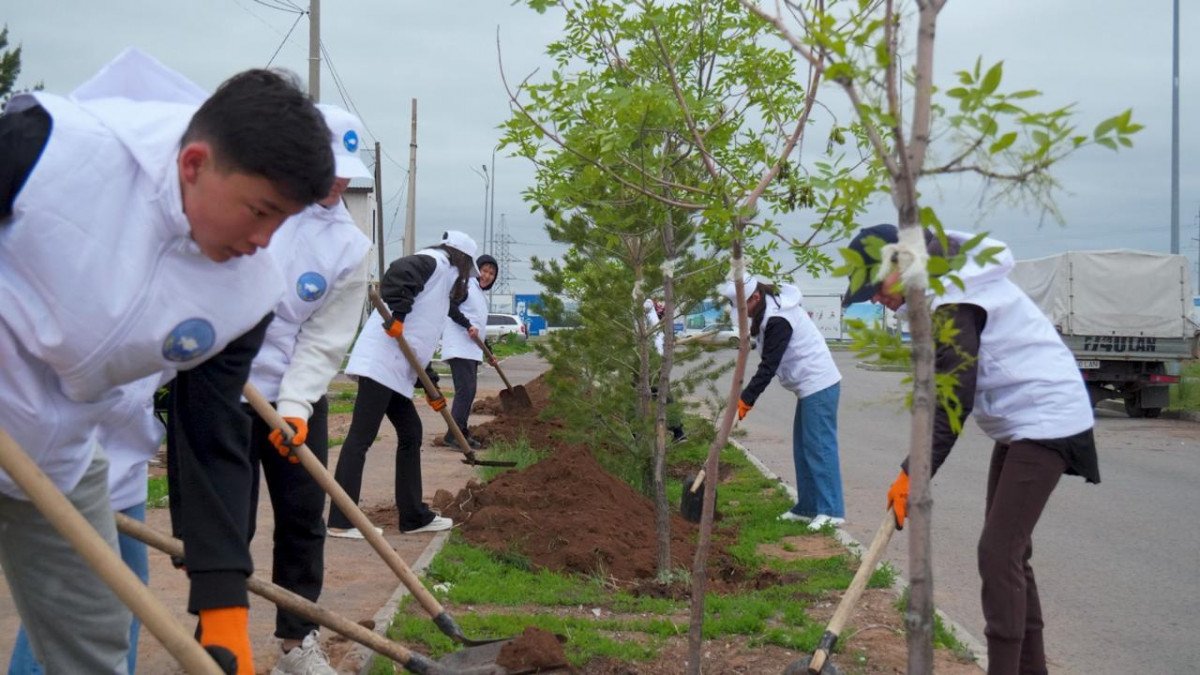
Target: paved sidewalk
{"x": 357, "y": 582}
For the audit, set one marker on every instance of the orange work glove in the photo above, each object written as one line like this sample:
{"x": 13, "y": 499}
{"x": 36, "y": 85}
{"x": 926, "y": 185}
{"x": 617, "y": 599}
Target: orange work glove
{"x": 437, "y": 403}
{"x": 897, "y": 499}
{"x": 299, "y": 435}
{"x": 743, "y": 409}
{"x": 228, "y": 628}
{"x": 395, "y": 328}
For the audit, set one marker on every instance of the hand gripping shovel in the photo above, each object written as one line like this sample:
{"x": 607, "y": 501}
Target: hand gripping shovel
{"x": 102, "y": 559}
{"x": 403, "y": 572}
{"x": 431, "y": 390}
{"x": 301, "y": 606}
{"x": 818, "y": 663}
{"x": 512, "y": 399}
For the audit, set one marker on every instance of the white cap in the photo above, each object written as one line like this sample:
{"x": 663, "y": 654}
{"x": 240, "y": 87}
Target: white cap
{"x": 727, "y": 289}
{"x": 346, "y": 130}
{"x": 463, "y": 242}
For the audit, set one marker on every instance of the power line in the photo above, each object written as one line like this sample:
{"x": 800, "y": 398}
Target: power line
{"x": 285, "y": 38}
{"x": 344, "y": 92}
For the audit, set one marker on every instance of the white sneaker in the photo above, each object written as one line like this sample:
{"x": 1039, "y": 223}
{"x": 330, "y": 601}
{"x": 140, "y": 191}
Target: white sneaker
{"x": 438, "y": 524}
{"x": 351, "y": 533}
{"x": 822, "y": 520}
{"x": 307, "y": 659}
{"x": 793, "y": 518}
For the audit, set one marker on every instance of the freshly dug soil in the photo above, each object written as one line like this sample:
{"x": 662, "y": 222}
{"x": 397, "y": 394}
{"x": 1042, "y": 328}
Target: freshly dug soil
{"x": 566, "y": 513}
{"x": 533, "y": 649}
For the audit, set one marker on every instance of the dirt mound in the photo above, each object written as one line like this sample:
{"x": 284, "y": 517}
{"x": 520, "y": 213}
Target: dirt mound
{"x": 567, "y": 513}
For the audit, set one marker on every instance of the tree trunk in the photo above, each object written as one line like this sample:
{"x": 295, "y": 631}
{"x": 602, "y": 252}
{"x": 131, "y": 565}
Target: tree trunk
{"x": 662, "y": 509}
{"x": 699, "y": 563}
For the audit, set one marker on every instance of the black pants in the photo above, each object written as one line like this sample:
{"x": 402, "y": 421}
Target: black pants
{"x": 298, "y": 502}
{"x": 1021, "y": 477}
{"x": 466, "y": 377}
{"x": 374, "y": 400}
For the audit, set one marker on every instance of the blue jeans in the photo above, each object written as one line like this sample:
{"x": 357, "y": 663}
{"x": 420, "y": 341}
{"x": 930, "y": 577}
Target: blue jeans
{"x": 815, "y": 453}
{"x": 133, "y": 552}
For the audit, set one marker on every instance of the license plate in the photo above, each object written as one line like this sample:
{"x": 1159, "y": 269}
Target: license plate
{"x": 1088, "y": 364}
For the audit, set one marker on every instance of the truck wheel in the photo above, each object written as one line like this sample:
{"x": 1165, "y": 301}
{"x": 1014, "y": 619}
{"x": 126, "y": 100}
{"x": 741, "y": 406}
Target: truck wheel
{"x": 1133, "y": 407}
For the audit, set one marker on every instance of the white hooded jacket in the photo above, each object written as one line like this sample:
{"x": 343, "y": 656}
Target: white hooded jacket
{"x": 100, "y": 281}
{"x": 1028, "y": 384}
{"x": 807, "y": 366}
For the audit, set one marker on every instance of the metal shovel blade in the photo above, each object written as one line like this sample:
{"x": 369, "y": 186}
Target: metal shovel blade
{"x": 515, "y": 399}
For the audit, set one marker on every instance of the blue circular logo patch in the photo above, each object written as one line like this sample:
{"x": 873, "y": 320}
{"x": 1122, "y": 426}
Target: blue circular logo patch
{"x": 191, "y": 338}
{"x": 350, "y": 140}
{"x": 311, "y": 286}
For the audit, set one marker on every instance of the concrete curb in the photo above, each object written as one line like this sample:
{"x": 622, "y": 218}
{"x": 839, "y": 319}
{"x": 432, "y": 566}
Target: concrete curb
{"x": 973, "y": 645}
{"x": 383, "y": 618}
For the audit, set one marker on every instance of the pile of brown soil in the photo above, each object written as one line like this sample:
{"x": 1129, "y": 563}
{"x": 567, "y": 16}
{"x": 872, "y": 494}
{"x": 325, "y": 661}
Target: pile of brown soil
{"x": 565, "y": 513}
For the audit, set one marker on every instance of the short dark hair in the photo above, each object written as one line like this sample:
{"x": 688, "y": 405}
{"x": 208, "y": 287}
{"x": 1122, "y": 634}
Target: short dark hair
{"x": 261, "y": 123}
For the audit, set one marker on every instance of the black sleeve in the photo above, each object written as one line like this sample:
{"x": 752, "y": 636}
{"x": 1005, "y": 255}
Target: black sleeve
{"x": 776, "y": 336}
{"x": 960, "y": 357}
{"x": 403, "y": 280}
{"x": 23, "y": 136}
{"x": 208, "y": 443}
{"x": 456, "y": 314}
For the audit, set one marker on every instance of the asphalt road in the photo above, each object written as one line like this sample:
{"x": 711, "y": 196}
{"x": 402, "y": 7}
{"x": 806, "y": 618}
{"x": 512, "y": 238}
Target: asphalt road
{"x": 1118, "y": 564}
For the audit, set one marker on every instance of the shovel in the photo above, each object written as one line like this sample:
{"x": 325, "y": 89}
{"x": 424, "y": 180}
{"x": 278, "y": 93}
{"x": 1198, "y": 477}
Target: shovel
{"x": 691, "y": 502}
{"x": 403, "y": 572}
{"x": 301, "y": 606}
{"x": 102, "y": 559}
{"x": 818, "y": 663}
{"x": 431, "y": 390}
{"x": 512, "y": 399}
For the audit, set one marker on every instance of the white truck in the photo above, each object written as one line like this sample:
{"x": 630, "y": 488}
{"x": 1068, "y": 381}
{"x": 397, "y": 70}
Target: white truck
{"x": 1125, "y": 315}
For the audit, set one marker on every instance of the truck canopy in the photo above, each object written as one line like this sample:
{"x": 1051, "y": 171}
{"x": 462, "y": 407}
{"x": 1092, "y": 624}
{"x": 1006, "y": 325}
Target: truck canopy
{"x": 1120, "y": 292}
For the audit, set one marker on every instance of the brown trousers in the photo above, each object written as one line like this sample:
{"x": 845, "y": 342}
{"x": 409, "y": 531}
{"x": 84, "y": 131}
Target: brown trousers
{"x": 1020, "y": 480}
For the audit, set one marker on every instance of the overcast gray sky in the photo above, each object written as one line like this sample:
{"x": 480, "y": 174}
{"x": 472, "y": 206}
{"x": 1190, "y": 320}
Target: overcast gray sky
{"x": 1102, "y": 55}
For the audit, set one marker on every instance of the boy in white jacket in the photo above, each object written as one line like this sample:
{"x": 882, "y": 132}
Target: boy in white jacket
{"x": 128, "y": 220}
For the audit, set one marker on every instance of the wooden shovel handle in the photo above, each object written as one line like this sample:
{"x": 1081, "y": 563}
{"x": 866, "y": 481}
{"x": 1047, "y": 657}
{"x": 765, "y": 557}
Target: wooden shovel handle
{"x": 103, "y": 560}
{"x": 850, "y": 598}
{"x": 281, "y": 597}
{"x": 431, "y": 390}
{"x": 492, "y": 359}
{"x": 344, "y": 503}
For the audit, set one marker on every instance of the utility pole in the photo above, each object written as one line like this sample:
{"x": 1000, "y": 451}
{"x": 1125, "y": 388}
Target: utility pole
{"x": 410, "y": 209}
{"x": 1175, "y": 132}
{"x": 379, "y": 209}
{"x": 314, "y": 50}
{"x": 489, "y": 245}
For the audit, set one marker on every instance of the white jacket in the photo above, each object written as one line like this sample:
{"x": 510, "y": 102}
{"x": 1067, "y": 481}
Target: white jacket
{"x": 1028, "y": 384}
{"x": 377, "y": 356}
{"x": 323, "y": 254}
{"x": 456, "y": 342}
{"x": 807, "y": 366}
{"x": 100, "y": 281}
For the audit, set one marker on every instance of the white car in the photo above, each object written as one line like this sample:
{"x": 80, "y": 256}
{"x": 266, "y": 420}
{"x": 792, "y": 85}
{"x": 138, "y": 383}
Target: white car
{"x": 719, "y": 337}
{"x": 499, "y": 325}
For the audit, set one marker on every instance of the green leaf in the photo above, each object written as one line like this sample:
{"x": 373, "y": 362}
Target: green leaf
{"x": 937, "y": 265}
{"x": 992, "y": 79}
{"x": 1003, "y": 142}
{"x": 957, "y": 92}
{"x": 1107, "y": 142}
{"x": 1104, "y": 127}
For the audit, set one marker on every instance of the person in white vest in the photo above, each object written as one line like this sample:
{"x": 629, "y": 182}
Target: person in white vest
{"x": 1024, "y": 387}
{"x": 128, "y": 219}
{"x": 468, "y": 321}
{"x": 418, "y": 290}
{"x": 792, "y": 347}
{"x": 323, "y": 255}
{"x": 654, "y": 309}
{"x": 131, "y": 438}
